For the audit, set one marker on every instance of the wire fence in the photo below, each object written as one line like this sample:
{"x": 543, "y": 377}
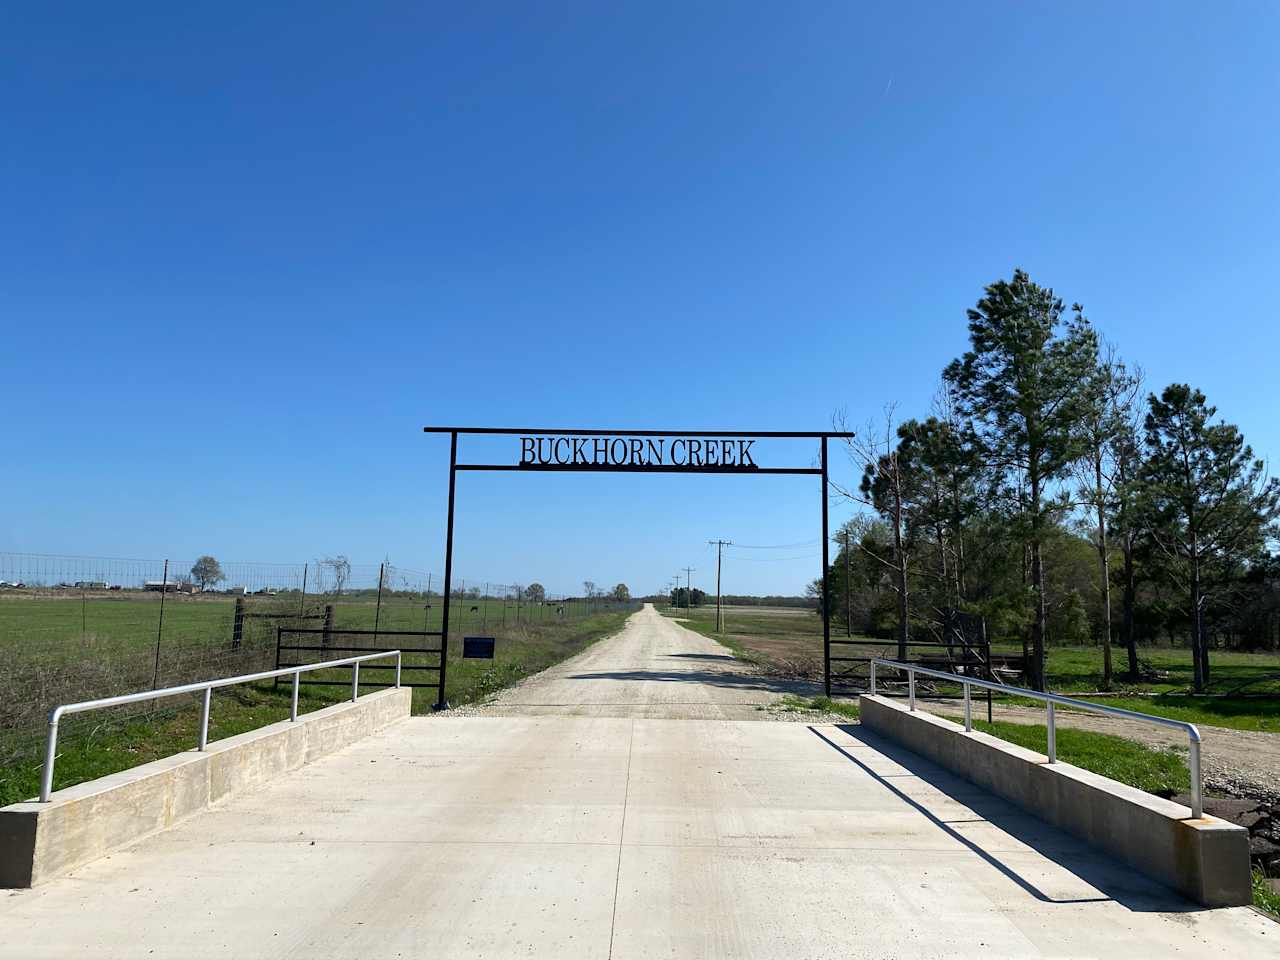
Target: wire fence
{"x": 77, "y": 628}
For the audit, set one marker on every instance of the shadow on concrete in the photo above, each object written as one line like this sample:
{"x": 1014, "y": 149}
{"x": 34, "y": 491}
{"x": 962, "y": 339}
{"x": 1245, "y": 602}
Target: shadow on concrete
{"x": 708, "y": 678}
{"x": 1109, "y": 877}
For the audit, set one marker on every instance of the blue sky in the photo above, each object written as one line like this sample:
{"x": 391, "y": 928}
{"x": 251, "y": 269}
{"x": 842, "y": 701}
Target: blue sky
{"x": 249, "y": 250}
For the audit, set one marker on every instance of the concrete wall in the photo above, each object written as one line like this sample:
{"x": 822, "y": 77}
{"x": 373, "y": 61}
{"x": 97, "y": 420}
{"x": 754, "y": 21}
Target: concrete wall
{"x": 39, "y": 841}
{"x": 1207, "y": 859}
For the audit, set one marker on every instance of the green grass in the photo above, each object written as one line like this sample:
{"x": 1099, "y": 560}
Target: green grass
{"x": 1264, "y": 898}
{"x": 790, "y": 703}
{"x": 1155, "y": 771}
{"x": 1079, "y": 669}
{"x": 29, "y": 620}
{"x": 1239, "y": 713}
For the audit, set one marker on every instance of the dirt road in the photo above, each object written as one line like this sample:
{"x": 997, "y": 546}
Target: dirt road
{"x": 652, "y": 668}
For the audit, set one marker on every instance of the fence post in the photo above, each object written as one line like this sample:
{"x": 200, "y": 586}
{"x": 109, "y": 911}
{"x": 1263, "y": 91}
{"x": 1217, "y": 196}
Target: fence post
{"x": 327, "y": 637}
{"x": 164, "y": 588}
{"x": 275, "y": 681}
{"x": 377, "y": 612}
{"x": 237, "y": 625}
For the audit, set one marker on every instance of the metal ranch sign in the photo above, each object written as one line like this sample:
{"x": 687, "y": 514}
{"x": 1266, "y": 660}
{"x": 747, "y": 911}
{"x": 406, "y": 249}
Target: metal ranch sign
{"x": 610, "y": 452}
{"x": 630, "y": 451}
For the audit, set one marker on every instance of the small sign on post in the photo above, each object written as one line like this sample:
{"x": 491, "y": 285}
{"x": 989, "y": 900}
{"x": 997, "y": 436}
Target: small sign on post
{"x": 477, "y": 648}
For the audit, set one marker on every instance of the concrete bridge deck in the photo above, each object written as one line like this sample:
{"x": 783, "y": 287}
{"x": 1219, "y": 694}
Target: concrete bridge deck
{"x": 622, "y": 837}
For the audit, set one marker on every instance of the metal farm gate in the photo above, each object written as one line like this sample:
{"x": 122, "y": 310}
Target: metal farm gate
{"x": 420, "y": 657}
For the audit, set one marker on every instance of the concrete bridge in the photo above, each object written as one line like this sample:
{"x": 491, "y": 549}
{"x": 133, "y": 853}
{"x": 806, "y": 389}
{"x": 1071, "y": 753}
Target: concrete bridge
{"x": 627, "y": 803}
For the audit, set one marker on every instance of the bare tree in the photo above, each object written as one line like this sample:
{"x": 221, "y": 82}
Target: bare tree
{"x": 883, "y": 489}
{"x": 340, "y": 568}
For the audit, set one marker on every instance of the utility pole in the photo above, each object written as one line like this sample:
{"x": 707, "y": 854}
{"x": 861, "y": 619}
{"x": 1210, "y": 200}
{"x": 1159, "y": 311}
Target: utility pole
{"x": 719, "y": 545}
{"x": 688, "y": 590}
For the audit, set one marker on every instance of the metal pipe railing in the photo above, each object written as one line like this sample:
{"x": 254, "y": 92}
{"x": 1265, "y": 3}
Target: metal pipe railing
{"x": 1051, "y": 700}
{"x": 207, "y": 687}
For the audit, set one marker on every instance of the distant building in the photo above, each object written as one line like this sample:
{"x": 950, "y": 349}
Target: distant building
{"x": 160, "y": 586}
{"x": 91, "y": 584}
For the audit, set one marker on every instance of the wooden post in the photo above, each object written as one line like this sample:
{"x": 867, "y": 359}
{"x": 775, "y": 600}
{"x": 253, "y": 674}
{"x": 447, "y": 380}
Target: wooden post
{"x": 237, "y": 625}
{"x": 326, "y": 638}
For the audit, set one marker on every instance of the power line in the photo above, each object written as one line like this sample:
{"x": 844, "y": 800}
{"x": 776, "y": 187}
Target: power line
{"x": 778, "y": 546}
{"x": 767, "y": 559}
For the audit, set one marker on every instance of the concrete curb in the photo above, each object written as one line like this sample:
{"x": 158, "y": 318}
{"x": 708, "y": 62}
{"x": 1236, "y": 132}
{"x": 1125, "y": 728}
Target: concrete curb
{"x": 41, "y": 841}
{"x": 1206, "y": 860}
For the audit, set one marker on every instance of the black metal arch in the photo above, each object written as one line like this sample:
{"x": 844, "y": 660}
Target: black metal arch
{"x": 574, "y": 467}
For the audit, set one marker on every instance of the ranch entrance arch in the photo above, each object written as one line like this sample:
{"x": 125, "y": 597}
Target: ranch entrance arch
{"x": 636, "y": 451}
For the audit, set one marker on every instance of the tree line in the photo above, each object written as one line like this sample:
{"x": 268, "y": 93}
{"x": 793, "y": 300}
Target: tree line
{"x": 1050, "y": 494}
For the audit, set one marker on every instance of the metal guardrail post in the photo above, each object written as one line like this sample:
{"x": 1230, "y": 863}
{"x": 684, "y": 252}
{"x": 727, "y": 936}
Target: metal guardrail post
{"x": 1051, "y": 727}
{"x": 293, "y": 699}
{"x": 911, "y": 687}
{"x": 204, "y": 719}
{"x": 355, "y": 681}
{"x": 399, "y": 658}
{"x": 873, "y": 678}
{"x": 968, "y": 709}
{"x": 1197, "y": 797}
{"x": 50, "y": 752}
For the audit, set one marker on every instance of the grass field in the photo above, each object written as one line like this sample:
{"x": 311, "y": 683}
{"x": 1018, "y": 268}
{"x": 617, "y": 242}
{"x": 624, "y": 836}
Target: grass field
{"x": 786, "y": 638}
{"x": 35, "y": 617}
{"x": 790, "y": 640}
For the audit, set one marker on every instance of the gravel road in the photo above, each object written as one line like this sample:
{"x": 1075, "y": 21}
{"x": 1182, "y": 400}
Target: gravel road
{"x": 652, "y": 668}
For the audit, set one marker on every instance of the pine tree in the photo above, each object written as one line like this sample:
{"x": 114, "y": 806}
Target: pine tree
{"x": 1208, "y": 500}
{"x": 1020, "y": 385}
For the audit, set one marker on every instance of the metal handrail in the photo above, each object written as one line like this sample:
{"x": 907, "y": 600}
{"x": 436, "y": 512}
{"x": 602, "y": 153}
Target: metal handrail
{"x": 1050, "y": 700}
{"x": 208, "y": 686}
